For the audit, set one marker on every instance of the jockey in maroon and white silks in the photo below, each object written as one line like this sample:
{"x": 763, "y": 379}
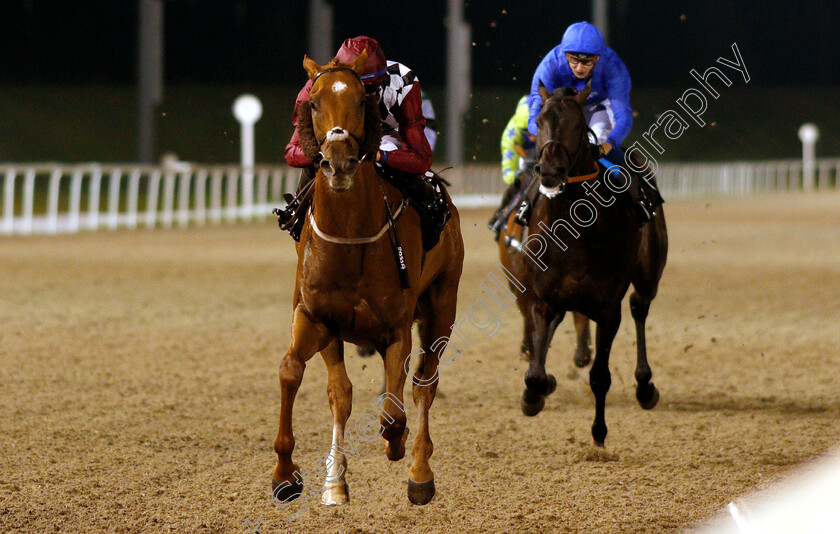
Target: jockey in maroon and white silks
{"x": 404, "y": 145}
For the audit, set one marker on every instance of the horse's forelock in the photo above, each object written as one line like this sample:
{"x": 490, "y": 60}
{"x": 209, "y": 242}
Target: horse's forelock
{"x": 564, "y": 91}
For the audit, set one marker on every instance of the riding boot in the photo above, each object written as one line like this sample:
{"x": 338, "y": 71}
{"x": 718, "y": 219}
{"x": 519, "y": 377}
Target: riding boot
{"x": 644, "y": 192}
{"x": 646, "y": 197}
{"x": 291, "y": 217}
{"x": 428, "y": 199}
{"x": 523, "y": 213}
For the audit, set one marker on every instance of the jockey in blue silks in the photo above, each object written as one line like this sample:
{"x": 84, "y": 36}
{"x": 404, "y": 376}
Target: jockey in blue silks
{"x": 581, "y": 57}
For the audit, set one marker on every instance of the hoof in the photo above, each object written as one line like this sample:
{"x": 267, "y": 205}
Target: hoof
{"x": 583, "y": 356}
{"x": 286, "y": 491}
{"x": 531, "y": 403}
{"x": 395, "y": 450}
{"x": 335, "y": 495}
{"x": 365, "y": 352}
{"x": 599, "y": 434}
{"x": 652, "y": 399}
{"x": 421, "y": 492}
{"x": 541, "y": 386}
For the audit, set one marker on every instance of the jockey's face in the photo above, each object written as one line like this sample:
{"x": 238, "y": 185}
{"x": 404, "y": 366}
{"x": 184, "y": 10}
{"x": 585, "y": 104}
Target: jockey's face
{"x": 375, "y": 88}
{"x": 581, "y": 68}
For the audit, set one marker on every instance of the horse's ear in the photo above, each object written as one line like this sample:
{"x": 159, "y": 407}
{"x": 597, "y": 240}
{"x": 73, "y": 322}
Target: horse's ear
{"x": 583, "y": 95}
{"x": 544, "y": 94}
{"x": 359, "y": 63}
{"x": 311, "y": 67}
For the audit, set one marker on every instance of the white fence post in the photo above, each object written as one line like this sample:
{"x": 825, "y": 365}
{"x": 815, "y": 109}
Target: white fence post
{"x": 232, "y": 193}
{"x": 114, "y": 199}
{"x": 133, "y": 194}
{"x": 152, "y": 199}
{"x": 9, "y": 202}
{"x": 216, "y": 197}
{"x": 75, "y": 200}
{"x": 94, "y": 186}
{"x": 201, "y": 197}
{"x": 28, "y": 200}
{"x": 184, "y": 198}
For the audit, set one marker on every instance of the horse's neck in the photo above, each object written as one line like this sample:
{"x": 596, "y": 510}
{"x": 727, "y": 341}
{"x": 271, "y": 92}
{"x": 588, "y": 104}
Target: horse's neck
{"x": 357, "y": 212}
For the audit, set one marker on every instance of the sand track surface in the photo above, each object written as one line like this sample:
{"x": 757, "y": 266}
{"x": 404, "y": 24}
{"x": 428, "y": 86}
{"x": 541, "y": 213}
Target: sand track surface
{"x": 139, "y": 389}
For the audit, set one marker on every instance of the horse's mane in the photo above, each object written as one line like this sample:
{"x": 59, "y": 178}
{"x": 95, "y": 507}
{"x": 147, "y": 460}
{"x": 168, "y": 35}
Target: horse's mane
{"x": 372, "y": 135}
{"x": 306, "y": 132}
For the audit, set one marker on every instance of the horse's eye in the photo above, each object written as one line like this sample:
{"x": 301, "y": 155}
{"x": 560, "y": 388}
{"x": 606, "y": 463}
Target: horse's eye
{"x": 314, "y": 106}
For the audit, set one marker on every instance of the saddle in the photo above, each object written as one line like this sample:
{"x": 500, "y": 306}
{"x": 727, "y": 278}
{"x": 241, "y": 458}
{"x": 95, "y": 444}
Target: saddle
{"x": 426, "y": 195}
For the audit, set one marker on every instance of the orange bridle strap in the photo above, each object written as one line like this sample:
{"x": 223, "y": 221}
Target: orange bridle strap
{"x": 584, "y": 177}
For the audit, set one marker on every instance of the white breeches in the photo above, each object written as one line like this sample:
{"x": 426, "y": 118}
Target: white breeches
{"x": 601, "y": 120}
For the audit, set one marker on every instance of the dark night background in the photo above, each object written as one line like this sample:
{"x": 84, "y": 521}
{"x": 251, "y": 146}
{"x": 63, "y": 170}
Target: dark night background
{"x": 68, "y": 60}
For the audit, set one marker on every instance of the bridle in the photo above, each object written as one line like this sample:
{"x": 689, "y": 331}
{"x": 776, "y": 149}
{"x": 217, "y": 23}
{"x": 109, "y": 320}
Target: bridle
{"x": 338, "y": 133}
{"x": 584, "y": 137}
{"x": 583, "y": 142}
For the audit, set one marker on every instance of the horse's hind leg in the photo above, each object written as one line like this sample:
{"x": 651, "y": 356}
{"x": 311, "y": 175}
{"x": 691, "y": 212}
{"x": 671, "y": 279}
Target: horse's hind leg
{"x": 541, "y": 322}
{"x": 599, "y": 374}
{"x": 340, "y": 392}
{"x": 646, "y": 392}
{"x": 307, "y": 339}
{"x": 583, "y": 349}
{"x": 391, "y": 407}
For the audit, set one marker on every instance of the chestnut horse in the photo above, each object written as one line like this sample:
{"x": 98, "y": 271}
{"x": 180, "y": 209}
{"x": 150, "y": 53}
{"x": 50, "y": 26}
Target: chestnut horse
{"x": 348, "y": 287}
{"x": 581, "y": 251}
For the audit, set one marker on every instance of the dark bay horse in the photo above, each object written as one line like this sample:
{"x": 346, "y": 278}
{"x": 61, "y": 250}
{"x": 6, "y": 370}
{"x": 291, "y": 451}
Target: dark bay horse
{"x": 581, "y": 251}
{"x": 348, "y": 287}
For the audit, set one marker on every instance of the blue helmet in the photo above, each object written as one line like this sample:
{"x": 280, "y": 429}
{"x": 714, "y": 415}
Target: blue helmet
{"x": 583, "y": 39}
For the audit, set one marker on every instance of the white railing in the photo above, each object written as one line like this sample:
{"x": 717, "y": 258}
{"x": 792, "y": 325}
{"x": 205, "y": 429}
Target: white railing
{"x": 56, "y": 198}
{"x": 479, "y": 183}
{"x": 687, "y": 180}
{"x": 51, "y": 195}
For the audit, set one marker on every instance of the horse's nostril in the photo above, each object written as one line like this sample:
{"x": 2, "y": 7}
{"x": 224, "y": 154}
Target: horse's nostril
{"x": 538, "y": 168}
{"x": 327, "y": 167}
{"x": 351, "y": 166}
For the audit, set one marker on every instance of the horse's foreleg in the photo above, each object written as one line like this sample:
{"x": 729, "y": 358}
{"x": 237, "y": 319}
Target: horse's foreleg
{"x": 307, "y": 339}
{"x": 543, "y": 322}
{"x": 583, "y": 349}
{"x": 434, "y": 335}
{"x": 340, "y": 392}
{"x": 390, "y": 404}
{"x": 599, "y": 374}
{"x": 646, "y": 392}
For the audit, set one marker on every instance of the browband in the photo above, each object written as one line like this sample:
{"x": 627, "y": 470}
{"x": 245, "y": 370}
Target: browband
{"x": 376, "y": 74}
